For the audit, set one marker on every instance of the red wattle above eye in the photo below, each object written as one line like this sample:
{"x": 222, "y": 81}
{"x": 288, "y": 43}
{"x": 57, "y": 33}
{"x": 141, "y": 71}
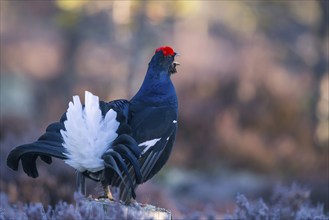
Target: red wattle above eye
{"x": 166, "y": 50}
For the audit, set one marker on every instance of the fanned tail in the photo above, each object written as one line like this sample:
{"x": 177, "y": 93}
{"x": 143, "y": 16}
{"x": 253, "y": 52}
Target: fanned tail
{"x": 94, "y": 138}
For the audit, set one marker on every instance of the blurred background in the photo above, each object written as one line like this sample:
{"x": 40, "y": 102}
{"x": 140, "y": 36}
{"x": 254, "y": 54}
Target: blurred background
{"x": 253, "y": 90}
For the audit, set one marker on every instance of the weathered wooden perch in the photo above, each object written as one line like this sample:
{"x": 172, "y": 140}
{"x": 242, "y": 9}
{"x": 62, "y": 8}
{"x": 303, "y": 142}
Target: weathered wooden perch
{"x": 133, "y": 211}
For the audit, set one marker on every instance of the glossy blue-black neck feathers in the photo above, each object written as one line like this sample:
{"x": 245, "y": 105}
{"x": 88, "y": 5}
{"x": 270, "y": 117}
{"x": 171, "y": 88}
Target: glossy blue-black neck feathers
{"x": 157, "y": 88}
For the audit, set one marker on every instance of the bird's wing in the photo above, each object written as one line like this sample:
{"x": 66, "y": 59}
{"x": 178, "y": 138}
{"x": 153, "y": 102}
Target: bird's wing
{"x": 154, "y": 129}
{"x": 153, "y": 160}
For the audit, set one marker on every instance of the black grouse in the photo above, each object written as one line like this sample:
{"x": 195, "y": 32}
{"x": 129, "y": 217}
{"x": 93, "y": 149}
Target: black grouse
{"x": 120, "y": 143}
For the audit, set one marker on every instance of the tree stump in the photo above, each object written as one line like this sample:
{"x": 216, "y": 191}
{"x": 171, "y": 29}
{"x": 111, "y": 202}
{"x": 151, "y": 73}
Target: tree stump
{"x": 133, "y": 211}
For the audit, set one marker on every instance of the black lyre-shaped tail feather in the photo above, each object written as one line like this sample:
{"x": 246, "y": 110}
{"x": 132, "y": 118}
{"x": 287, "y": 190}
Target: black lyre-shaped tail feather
{"x": 122, "y": 158}
{"x": 119, "y": 161}
{"x": 47, "y": 146}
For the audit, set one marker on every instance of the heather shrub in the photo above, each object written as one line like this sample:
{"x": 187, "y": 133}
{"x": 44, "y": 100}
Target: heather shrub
{"x": 82, "y": 209}
{"x": 286, "y": 203}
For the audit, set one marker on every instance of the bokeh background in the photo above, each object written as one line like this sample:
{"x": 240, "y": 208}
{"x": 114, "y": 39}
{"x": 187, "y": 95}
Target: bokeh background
{"x": 252, "y": 86}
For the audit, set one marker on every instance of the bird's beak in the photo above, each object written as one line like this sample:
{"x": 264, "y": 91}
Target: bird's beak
{"x": 172, "y": 69}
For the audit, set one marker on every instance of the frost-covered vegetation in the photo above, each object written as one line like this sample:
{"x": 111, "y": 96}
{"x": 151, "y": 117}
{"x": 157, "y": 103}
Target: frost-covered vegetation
{"x": 286, "y": 203}
{"x": 83, "y": 208}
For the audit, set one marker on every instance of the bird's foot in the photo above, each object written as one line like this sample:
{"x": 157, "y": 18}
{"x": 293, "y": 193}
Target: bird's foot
{"x": 103, "y": 197}
{"x": 108, "y": 194}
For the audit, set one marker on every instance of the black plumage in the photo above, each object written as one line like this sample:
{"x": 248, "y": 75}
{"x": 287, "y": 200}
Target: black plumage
{"x": 146, "y": 133}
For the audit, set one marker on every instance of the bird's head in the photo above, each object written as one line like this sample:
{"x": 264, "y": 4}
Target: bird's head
{"x": 157, "y": 87}
{"x": 164, "y": 58}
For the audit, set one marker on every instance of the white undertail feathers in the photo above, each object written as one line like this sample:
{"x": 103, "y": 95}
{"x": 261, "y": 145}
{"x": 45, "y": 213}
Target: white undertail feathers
{"x": 88, "y": 134}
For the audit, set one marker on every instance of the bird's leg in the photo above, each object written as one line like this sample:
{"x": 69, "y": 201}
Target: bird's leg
{"x": 107, "y": 191}
{"x": 81, "y": 183}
